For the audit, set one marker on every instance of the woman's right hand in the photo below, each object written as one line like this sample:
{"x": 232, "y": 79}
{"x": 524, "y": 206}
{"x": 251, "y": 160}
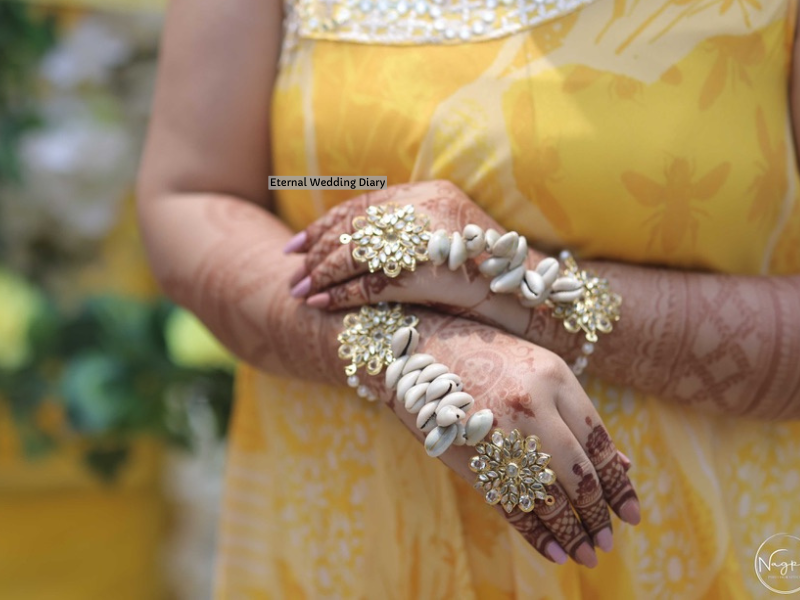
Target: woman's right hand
{"x": 533, "y": 390}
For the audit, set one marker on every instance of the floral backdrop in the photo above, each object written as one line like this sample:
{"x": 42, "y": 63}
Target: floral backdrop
{"x": 106, "y": 389}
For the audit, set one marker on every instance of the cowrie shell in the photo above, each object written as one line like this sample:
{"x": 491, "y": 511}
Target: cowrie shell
{"x": 474, "y": 240}
{"x": 418, "y": 362}
{"x": 458, "y": 252}
{"x": 426, "y": 417}
{"x": 449, "y": 414}
{"x": 439, "y": 247}
{"x": 478, "y": 426}
{"x": 394, "y": 371}
{"x": 461, "y": 400}
{"x": 404, "y": 341}
{"x": 440, "y": 439}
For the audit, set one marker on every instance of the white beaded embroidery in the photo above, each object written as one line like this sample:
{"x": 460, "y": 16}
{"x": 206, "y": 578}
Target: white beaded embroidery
{"x": 407, "y": 22}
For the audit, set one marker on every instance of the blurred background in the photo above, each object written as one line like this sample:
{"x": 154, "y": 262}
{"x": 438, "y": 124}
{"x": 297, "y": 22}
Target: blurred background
{"x": 113, "y": 402}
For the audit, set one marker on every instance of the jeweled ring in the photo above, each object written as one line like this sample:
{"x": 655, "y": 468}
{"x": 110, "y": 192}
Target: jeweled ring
{"x": 390, "y": 238}
{"x": 512, "y": 471}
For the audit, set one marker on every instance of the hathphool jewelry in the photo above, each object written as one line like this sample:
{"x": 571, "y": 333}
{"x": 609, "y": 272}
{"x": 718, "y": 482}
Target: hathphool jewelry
{"x": 391, "y": 238}
{"x": 510, "y": 470}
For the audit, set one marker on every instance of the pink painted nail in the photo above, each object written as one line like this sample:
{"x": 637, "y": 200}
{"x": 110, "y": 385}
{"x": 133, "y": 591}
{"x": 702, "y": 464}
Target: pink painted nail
{"x": 556, "y": 552}
{"x": 604, "y": 540}
{"x": 297, "y": 242}
{"x": 319, "y": 300}
{"x": 630, "y": 513}
{"x": 302, "y": 288}
{"x": 585, "y": 555}
{"x": 297, "y": 276}
{"x": 626, "y": 462}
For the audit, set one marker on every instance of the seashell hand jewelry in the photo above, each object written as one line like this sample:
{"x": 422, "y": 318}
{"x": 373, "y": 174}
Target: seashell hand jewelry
{"x": 510, "y": 471}
{"x": 391, "y": 238}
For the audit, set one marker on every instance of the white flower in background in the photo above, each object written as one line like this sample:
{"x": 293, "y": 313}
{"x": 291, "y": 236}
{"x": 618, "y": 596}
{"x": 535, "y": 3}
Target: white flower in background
{"x": 78, "y": 172}
{"x": 86, "y": 54}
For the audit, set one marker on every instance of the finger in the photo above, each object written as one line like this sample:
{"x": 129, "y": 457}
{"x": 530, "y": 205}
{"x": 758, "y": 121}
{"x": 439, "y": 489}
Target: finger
{"x": 579, "y": 414}
{"x": 577, "y": 477}
{"x": 536, "y": 534}
{"x": 561, "y": 521}
{"x": 337, "y": 267}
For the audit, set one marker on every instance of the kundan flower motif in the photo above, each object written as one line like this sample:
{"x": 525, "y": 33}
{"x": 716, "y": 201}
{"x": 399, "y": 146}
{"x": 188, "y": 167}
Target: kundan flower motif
{"x": 390, "y": 238}
{"x": 512, "y": 471}
{"x": 598, "y": 308}
{"x": 367, "y": 338}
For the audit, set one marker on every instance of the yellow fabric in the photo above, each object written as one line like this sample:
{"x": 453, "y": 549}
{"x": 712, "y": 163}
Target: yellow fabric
{"x": 645, "y": 132}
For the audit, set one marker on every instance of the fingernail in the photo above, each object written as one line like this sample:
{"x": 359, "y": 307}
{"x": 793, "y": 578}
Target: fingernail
{"x": 585, "y": 555}
{"x": 297, "y": 276}
{"x": 302, "y": 288}
{"x": 604, "y": 540}
{"x": 626, "y": 462}
{"x": 556, "y": 552}
{"x": 629, "y": 512}
{"x": 297, "y": 242}
{"x": 319, "y": 300}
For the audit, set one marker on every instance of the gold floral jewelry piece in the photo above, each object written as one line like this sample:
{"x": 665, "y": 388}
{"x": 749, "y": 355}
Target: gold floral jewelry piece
{"x": 389, "y": 238}
{"x": 512, "y": 471}
{"x": 367, "y": 341}
{"x": 594, "y": 311}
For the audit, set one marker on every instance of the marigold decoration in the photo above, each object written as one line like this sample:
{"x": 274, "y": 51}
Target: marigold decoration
{"x": 390, "y": 238}
{"x": 512, "y": 471}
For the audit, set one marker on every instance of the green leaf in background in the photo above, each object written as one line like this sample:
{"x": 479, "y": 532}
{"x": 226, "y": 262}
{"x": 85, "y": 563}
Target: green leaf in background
{"x": 97, "y": 393}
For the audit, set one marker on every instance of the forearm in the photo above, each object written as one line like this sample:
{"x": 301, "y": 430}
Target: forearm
{"x": 729, "y": 344}
{"x": 221, "y": 257}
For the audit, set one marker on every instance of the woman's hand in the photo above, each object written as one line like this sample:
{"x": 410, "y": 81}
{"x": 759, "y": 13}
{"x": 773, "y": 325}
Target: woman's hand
{"x": 531, "y": 389}
{"x": 330, "y": 267}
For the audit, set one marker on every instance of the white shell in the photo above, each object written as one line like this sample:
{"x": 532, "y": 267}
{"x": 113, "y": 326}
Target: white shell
{"x": 507, "y": 282}
{"x": 506, "y": 246}
{"x": 454, "y": 378}
{"x": 448, "y": 414}
{"x": 533, "y": 289}
{"x": 438, "y": 247}
{"x": 404, "y": 341}
{"x": 566, "y": 284}
{"x": 458, "y": 252}
{"x": 474, "y": 240}
{"x": 491, "y": 237}
{"x": 417, "y": 362}
{"x": 566, "y": 289}
{"x": 478, "y": 425}
{"x": 566, "y": 297}
{"x": 415, "y": 398}
{"x": 461, "y": 400}
{"x": 521, "y": 254}
{"x": 440, "y": 439}
{"x": 438, "y": 388}
{"x": 492, "y": 267}
{"x": 548, "y": 269}
{"x": 426, "y": 417}
{"x": 461, "y": 436}
{"x": 431, "y": 372}
{"x": 406, "y": 382}
{"x": 394, "y": 371}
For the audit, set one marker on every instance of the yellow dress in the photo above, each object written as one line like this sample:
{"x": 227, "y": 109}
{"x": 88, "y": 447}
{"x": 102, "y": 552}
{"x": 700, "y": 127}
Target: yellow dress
{"x": 328, "y": 496}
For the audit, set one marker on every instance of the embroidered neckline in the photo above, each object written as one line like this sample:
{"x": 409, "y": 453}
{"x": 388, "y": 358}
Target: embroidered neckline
{"x": 406, "y": 22}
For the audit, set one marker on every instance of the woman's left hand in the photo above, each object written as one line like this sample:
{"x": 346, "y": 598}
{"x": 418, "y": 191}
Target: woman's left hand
{"x": 332, "y": 279}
